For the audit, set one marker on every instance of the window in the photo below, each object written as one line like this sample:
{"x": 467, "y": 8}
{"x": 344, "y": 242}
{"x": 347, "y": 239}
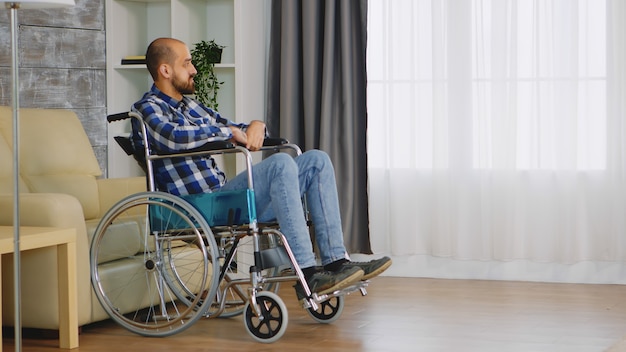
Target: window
{"x": 488, "y": 84}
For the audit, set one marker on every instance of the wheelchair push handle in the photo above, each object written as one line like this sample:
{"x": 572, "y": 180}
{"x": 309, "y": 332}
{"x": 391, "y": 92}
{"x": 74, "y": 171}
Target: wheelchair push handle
{"x": 119, "y": 116}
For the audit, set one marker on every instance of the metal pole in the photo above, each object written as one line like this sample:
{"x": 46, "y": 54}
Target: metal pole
{"x": 16, "y": 174}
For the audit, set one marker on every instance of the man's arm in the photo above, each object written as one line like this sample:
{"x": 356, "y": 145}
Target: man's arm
{"x": 171, "y": 131}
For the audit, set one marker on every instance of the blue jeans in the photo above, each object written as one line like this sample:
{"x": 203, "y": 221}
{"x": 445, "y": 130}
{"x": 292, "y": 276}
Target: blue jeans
{"x": 280, "y": 181}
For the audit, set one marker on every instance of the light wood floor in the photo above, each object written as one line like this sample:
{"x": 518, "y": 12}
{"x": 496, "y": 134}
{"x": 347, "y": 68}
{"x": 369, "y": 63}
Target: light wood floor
{"x": 409, "y": 314}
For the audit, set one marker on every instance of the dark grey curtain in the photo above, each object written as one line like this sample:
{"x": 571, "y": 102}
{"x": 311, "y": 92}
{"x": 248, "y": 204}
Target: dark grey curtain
{"x": 317, "y": 95}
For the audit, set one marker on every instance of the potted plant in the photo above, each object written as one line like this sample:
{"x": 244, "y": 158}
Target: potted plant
{"x": 204, "y": 56}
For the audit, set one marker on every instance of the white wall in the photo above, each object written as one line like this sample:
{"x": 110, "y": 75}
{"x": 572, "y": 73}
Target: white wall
{"x": 251, "y": 60}
{"x": 252, "y": 33}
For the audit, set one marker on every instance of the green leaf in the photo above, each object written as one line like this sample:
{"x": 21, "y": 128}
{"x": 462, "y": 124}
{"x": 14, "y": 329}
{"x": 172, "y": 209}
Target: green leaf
{"x": 203, "y": 57}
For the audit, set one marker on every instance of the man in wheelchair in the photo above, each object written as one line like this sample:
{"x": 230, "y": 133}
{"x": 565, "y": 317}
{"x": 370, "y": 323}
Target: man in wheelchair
{"x": 176, "y": 122}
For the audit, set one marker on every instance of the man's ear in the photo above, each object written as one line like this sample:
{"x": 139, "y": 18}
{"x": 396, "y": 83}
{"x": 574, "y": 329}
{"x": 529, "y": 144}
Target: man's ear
{"x": 164, "y": 70}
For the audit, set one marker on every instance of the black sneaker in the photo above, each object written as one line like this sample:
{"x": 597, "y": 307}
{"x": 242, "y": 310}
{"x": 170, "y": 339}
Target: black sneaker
{"x": 323, "y": 282}
{"x": 372, "y": 268}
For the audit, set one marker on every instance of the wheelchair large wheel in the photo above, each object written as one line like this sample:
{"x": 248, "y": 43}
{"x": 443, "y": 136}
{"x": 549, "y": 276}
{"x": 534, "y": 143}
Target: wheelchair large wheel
{"x": 328, "y": 311}
{"x": 238, "y": 253}
{"x": 271, "y": 324}
{"x": 152, "y": 264}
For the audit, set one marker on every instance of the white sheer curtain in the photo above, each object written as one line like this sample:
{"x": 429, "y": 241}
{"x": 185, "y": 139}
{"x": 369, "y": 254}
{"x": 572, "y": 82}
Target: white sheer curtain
{"x": 496, "y": 138}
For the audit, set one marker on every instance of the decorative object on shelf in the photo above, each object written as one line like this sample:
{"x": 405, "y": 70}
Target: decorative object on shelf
{"x": 204, "y": 56}
{"x": 13, "y": 6}
{"x": 134, "y": 60}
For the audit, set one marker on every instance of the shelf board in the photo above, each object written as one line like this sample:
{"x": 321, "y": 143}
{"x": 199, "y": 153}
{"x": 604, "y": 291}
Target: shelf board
{"x": 146, "y": 1}
{"x": 130, "y": 67}
{"x": 224, "y": 65}
{"x": 143, "y": 66}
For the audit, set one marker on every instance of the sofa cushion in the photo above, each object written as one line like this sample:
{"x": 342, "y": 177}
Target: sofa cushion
{"x": 83, "y": 187}
{"x": 55, "y": 154}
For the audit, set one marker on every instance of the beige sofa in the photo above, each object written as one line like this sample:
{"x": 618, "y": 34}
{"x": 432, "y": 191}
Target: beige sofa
{"x": 60, "y": 186}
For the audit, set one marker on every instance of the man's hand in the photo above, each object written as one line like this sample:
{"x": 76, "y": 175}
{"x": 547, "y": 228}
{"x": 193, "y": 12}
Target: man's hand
{"x": 253, "y": 138}
{"x": 255, "y": 135}
{"x": 239, "y": 137}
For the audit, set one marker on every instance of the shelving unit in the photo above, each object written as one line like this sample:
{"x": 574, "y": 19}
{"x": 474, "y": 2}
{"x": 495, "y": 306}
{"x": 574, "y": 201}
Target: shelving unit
{"x": 132, "y": 25}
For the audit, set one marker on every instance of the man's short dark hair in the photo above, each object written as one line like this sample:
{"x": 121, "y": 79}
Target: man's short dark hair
{"x": 158, "y": 52}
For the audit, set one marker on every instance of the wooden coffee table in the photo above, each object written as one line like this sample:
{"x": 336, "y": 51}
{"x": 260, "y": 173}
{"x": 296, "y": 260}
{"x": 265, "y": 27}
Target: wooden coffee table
{"x": 65, "y": 242}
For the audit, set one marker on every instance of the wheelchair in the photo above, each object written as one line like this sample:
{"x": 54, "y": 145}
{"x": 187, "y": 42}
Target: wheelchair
{"x": 198, "y": 256}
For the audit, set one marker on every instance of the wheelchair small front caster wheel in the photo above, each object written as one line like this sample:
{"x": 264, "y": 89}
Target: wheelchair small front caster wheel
{"x": 272, "y": 322}
{"x": 328, "y": 311}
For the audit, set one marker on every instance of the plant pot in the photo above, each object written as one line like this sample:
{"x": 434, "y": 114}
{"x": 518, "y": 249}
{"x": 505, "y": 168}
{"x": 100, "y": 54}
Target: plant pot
{"x": 214, "y": 55}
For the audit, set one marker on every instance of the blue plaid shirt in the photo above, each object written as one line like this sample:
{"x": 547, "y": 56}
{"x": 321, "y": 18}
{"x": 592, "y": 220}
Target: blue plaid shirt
{"x": 175, "y": 126}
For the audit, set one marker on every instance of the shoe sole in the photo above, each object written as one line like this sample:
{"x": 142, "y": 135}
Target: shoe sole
{"x": 378, "y": 271}
{"x": 349, "y": 281}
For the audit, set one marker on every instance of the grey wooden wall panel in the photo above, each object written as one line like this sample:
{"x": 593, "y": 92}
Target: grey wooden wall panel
{"x": 61, "y": 47}
{"x": 94, "y": 122}
{"x": 58, "y": 88}
{"x": 86, "y": 14}
{"x": 5, "y": 44}
{"x": 62, "y": 65}
{"x": 101, "y": 155}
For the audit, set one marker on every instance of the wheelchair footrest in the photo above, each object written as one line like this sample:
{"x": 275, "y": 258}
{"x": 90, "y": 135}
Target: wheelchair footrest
{"x": 359, "y": 286}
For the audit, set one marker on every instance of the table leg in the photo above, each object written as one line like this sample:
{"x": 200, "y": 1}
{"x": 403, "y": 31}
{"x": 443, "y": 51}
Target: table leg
{"x": 0, "y": 301}
{"x": 68, "y": 312}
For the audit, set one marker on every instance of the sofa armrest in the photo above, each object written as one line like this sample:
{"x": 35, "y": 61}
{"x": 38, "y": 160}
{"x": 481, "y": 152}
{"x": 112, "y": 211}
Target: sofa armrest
{"x": 112, "y": 190}
{"x": 44, "y": 209}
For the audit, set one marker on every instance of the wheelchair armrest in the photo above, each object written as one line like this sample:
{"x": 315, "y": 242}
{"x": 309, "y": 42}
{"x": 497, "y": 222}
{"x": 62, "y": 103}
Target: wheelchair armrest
{"x": 279, "y": 144}
{"x": 125, "y": 144}
{"x": 215, "y": 147}
{"x": 273, "y": 142}
{"x": 210, "y": 146}
{"x": 128, "y": 148}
